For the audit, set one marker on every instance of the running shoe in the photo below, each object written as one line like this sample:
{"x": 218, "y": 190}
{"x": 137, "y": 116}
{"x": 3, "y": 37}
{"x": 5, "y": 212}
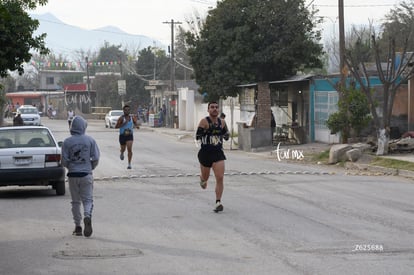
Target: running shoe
{"x": 218, "y": 207}
{"x": 77, "y": 231}
{"x": 129, "y": 167}
{"x": 203, "y": 184}
{"x": 87, "y": 232}
{"x": 121, "y": 156}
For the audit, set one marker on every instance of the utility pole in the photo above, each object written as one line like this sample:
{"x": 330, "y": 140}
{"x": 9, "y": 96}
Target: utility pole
{"x": 122, "y": 78}
{"x": 88, "y": 85}
{"x": 172, "y": 76}
{"x": 341, "y": 41}
{"x": 172, "y": 59}
{"x": 155, "y": 63}
{"x": 342, "y": 68}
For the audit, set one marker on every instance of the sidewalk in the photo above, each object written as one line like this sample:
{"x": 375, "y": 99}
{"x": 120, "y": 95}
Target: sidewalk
{"x": 308, "y": 150}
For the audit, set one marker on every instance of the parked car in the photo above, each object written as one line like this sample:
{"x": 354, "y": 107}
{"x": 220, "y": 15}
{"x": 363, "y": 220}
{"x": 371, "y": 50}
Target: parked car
{"x": 30, "y": 115}
{"x": 112, "y": 117}
{"x": 30, "y": 155}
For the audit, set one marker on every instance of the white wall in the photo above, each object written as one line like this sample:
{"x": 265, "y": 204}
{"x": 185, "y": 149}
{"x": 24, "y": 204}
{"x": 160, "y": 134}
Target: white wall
{"x": 186, "y": 109}
{"x": 325, "y": 136}
{"x": 190, "y": 112}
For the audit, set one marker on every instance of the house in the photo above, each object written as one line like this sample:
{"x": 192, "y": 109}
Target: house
{"x": 40, "y": 99}
{"x": 302, "y": 104}
{"x": 53, "y": 80}
{"x": 49, "y": 93}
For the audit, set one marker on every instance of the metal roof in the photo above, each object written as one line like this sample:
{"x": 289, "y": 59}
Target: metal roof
{"x": 295, "y": 78}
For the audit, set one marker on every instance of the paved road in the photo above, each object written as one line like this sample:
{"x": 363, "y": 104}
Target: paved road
{"x": 279, "y": 218}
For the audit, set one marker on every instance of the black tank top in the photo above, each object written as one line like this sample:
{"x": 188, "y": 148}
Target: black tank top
{"x": 213, "y": 137}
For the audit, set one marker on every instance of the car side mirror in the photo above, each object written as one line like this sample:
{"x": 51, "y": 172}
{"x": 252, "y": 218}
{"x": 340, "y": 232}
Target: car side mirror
{"x": 60, "y": 143}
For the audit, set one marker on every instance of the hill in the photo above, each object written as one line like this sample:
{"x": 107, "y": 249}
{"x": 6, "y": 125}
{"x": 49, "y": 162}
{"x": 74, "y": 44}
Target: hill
{"x": 66, "y": 39}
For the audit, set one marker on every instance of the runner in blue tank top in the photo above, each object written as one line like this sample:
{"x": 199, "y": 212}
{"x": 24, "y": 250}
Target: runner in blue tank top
{"x": 211, "y": 132}
{"x": 126, "y": 124}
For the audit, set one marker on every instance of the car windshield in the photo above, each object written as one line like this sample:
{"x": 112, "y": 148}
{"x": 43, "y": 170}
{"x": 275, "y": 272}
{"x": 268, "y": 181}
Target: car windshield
{"x": 28, "y": 111}
{"x": 117, "y": 113}
{"x": 21, "y": 137}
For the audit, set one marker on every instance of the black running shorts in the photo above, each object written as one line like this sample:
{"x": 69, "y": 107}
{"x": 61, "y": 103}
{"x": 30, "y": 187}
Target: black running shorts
{"x": 207, "y": 156}
{"x": 123, "y": 139}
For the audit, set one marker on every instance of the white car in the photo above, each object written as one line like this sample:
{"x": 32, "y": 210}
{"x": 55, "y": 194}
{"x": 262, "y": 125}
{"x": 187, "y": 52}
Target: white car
{"x": 112, "y": 117}
{"x": 30, "y": 115}
{"x": 30, "y": 155}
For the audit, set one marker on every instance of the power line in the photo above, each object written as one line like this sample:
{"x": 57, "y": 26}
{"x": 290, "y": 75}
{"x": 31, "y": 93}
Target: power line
{"x": 203, "y": 2}
{"x": 182, "y": 65}
{"x": 355, "y": 6}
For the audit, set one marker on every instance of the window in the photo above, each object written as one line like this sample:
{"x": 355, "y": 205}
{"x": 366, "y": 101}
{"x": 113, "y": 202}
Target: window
{"x": 326, "y": 103}
{"x": 279, "y": 97}
{"x": 50, "y": 80}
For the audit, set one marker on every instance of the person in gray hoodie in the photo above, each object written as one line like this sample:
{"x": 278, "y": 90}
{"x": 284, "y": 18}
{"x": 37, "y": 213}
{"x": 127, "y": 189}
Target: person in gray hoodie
{"x": 80, "y": 155}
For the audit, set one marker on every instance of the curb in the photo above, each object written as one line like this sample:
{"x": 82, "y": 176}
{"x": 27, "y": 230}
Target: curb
{"x": 380, "y": 170}
{"x": 406, "y": 174}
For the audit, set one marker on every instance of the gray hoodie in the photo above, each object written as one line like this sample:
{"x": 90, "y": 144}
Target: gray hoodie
{"x": 80, "y": 153}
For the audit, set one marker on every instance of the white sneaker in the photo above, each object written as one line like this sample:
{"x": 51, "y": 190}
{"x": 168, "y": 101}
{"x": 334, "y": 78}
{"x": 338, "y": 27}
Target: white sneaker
{"x": 219, "y": 207}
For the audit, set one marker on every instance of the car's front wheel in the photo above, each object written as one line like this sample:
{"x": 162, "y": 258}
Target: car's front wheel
{"x": 59, "y": 187}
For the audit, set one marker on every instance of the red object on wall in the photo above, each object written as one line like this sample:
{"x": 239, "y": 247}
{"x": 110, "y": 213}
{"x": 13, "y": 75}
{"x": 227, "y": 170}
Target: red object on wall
{"x": 77, "y": 87}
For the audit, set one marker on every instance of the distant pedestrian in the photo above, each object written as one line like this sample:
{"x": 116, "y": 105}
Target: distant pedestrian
{"x": 18, "y": 120}
{"x": 272, "y": 123}
{"x": 126, "y": 124}
{"x": 71, "y": 115}
{"x": 80, "y": 155}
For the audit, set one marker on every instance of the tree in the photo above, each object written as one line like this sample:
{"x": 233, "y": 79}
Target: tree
{"x": 398, "y": 25}
{"x": 107, "y": 87}
{"x": 137, "y": 73}
{"x": 183, "y": 68}
{"x": 393, "y": 70}
{"x": 244, "y": 41}
{"x": 352, "y": 116}
{"x": 355, "y": 33}
{"x": 80, "y": 56}
{"x": 16, "y": 39}
{"x": 148, "y": 64}
{"x": 17, "y": 28}
{"x": 30, "y": 79}
{"x": 8, "y": 83}
{"x": 152, "y": 63}
{"x": 109, "y": 53}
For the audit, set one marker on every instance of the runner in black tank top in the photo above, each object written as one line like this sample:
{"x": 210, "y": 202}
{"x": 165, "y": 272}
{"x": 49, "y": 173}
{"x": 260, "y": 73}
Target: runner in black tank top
{"x": 211, "y": 132}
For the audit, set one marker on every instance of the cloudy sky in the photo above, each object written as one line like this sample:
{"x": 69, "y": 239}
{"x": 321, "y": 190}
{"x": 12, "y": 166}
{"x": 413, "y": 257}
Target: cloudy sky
{"x": 146, "y": 17}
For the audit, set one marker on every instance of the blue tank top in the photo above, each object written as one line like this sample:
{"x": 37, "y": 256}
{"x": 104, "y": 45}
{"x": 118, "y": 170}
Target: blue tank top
{"x": 128, "y": 126}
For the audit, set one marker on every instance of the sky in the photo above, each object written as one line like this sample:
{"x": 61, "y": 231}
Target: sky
{"x": 146, "y": 17}
{"x": 140, "y": 17}
{"x": 356, "y": 12}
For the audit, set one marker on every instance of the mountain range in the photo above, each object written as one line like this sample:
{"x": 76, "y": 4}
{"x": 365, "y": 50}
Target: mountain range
{"x": 64, "y": 39}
